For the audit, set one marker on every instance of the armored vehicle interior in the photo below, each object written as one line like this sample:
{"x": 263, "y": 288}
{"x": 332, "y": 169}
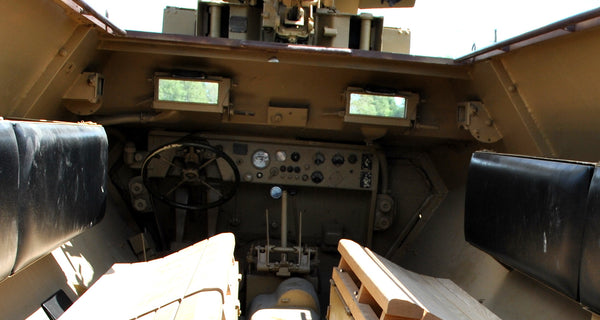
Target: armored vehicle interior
{"x": 271, "y": 142}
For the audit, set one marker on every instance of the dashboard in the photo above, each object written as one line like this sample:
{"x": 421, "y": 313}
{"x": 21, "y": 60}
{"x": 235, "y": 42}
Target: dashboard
{"x": 300, "y": 163}
{"x": 293, "y": 162}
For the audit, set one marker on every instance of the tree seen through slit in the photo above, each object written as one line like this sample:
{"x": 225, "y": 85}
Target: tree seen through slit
{"x": 375, "y": 105}
{"x": 188, "y": 91}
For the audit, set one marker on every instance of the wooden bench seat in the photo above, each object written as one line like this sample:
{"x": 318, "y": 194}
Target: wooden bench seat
{"x": 367, "y": 286}
{"x": 198, "y": 282}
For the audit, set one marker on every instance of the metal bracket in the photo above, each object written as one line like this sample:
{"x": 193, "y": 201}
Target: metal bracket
{"x": 473, "y": 116}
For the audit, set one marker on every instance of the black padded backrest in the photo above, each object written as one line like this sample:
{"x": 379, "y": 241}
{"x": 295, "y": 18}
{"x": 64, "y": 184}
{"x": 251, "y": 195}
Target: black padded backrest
{"x": 589, "y": 285}
{"x": 528, "y": 213}
{"x": 9, "y": 177}
{"x": 62, "y": 184}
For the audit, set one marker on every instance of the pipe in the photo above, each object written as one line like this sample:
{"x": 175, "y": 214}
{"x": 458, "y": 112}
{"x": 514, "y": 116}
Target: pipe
{"x": 383, "y": 172}
{"x": 215, "y": 21}
{"x": 365, "y": 31}
{"x": 140, "y": 117}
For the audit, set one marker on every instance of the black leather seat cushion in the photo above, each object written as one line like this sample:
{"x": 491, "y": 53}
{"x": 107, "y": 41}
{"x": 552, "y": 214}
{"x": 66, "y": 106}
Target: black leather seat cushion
{"x": 62, "y": 184}
{"x": 589, "y": 285}
{"x": 9, "y": 175}
{"x": 528, "y": 213}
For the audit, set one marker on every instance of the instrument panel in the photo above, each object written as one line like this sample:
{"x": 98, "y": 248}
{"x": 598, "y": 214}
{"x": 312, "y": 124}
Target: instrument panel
{"x": 301, "y": 163}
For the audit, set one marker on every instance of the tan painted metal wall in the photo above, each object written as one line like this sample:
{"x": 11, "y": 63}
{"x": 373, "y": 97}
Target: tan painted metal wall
{"x": 558, "y": 83}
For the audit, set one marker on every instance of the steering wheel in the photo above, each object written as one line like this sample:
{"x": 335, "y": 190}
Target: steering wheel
{"x": 189, "y": 165}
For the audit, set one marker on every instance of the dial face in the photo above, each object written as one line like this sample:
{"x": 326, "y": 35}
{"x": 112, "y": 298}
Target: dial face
{"x": 260, "y": 159}
{"x": 280, "y": 156}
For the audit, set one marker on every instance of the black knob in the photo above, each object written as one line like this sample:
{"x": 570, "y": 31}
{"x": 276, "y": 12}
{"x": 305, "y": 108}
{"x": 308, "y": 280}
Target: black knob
{"x": 337, "y": 159}
{"x": 319, "y": 158}
{"x": 352, "y": 158}
{"x": 295, "y": 156}
{"x": 290, "y": 169}
{"x": 297, "y": 169}
{"x": 316, "y": 177}
{"x": 282, "y": 168}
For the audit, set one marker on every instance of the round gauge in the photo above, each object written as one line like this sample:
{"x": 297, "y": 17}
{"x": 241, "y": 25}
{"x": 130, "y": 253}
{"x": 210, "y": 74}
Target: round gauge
{"x": 260, "y": 159}
{"x": 280, "y": 156}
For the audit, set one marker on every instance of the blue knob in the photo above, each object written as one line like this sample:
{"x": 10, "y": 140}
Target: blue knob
{"x": 276, "y": 192}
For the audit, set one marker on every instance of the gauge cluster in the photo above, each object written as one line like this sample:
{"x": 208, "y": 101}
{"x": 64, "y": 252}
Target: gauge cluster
{"x": 302, "y": 163}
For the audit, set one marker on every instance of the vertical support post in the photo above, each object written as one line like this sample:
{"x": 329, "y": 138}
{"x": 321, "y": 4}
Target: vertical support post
{"x": 268, "y": 251}
{"x": 300, "y": 238}
{"x": 215, "y": 21}
{"x": 365, "y": 31}
{"x": 284, "y": 201}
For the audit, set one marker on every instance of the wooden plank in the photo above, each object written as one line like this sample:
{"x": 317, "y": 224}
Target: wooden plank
{"x": 465, "y": 302}
{"x": 365, "y": 297}
{"x": 338, "y": 309}
{"x": 437, "y": 288}
{"x": 147, "y": 316}
{"x": 347, "y": 289}
{"x": 213, "y": 271}
{"x": 204, "y": 305}
{"x": 231, "y": 307}
{"x": 136, "y": 289}
{"x": 167, "y": 312}
{"x": 441, "y": 298}
{"x": 436, "y": 306}
{"x": 392, "y": 299}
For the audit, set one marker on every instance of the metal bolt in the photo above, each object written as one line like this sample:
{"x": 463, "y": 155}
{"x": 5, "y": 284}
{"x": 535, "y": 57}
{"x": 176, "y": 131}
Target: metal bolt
{"x": 140, "y": 204}
{"x": 512, "y": 88}
{"x": 70, "y": 67}
{"x": 139, "y": 156}
{"x": 384, "y": 223}
{"x": 136, "y": 188}
{"x": 62, "y": 52}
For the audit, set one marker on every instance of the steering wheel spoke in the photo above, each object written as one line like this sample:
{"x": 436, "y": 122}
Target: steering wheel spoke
{"x": 193, "y": 166}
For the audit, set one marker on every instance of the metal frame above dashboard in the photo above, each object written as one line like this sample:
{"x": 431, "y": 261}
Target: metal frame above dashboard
{"x": 248, "y": 50}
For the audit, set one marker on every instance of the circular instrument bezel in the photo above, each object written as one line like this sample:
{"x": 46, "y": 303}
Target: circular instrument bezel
{"x": 280, "y": 155}
{"x": 261, "y": 159}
